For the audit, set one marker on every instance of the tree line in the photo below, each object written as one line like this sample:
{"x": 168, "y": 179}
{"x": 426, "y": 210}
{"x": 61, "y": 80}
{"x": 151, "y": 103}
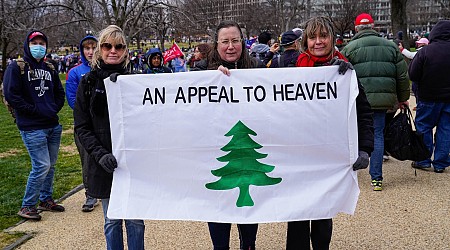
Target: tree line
{"x": 65, "y": 22}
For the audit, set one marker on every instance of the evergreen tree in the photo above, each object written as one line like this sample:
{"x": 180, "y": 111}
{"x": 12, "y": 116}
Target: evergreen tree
{"x": 243, "y": 168}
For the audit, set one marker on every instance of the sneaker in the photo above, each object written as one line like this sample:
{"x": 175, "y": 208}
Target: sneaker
{"x": 89, "y": 205}
{"x": 417, "y": 166}
{"x": 50, "y": 205}
{"x": 385, "y": 157}
{"x": 29, "y": 213}
{"x": 439, "y": 170}
{"x": 377, "y": 185}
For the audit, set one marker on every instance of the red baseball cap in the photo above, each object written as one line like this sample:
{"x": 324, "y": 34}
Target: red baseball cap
{"x": 35, "y": 34}
{"x": 363, "y": 18}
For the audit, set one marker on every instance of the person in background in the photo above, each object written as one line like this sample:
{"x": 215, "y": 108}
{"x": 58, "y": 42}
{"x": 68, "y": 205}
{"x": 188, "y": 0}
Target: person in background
{"x": 429, "y": 69}
{"x": 49, "y": 59}
{"x": 155, "y": 62}
{"x": 259, "y": 50}
{"x": 382, "y": 70}
{"x": 410, "y": 55}
{"x": 33, "y": 89}
{"x": 319, "y": 50}
{"x": 179, "y": 64}
{"x": 199, "y": 61}
{"x": 229, "y": 52}
{"x": 110, "y": 59}
{"x": 290, "y": 41}
{"x": 87, "y": 47}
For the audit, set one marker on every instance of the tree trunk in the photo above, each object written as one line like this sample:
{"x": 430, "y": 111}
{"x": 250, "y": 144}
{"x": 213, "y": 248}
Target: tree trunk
{"x": 399, "y": 21}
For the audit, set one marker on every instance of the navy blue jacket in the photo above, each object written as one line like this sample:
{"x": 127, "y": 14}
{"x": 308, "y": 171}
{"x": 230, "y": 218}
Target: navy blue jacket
{"x": 152, "y": 69}
{"x": 37, "y": 95}
{"x": 431, "y": 64}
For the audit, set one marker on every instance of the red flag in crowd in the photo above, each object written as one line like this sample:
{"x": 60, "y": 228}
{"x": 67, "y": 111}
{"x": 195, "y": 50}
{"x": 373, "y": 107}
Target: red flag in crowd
{"x": 172, "y": 53}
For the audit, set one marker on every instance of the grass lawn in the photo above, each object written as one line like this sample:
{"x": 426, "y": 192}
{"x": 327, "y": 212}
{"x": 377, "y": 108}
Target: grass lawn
{"x": 15, "y": 166}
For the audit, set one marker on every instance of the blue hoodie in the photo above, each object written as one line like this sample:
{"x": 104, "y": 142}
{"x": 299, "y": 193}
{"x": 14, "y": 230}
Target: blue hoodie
{"x": 37, "y": 95}
{"x": 76, "y": 73}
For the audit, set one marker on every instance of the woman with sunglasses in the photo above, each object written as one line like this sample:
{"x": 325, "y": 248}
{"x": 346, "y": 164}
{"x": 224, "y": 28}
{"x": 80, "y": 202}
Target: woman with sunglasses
{"x": 229, "y": 52}
{"x": 91, "y": 120}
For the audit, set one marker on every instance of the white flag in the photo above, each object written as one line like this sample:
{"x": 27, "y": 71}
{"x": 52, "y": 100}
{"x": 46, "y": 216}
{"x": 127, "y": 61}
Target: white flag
{"x": 261, "y": 145}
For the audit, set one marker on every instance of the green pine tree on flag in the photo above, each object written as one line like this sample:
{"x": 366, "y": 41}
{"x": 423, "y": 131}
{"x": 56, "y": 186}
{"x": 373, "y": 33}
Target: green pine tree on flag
{"x": 243, "y": 168}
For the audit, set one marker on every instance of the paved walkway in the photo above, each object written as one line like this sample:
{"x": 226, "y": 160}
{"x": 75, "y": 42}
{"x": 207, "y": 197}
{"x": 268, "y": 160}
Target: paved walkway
{"x": 412, "y": 212}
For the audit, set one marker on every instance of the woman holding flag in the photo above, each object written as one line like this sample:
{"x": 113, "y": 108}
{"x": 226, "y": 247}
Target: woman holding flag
{"x": 229, "y": 52}
{"x": 319, "y": 50}
{"x": 91, "y": 118}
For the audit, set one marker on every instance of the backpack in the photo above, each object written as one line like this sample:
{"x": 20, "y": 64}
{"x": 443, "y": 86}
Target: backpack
{"x": 21, "y": 63}
{"x": 291, "y": 63}
{"x": 259, "y": 56}
{"x": 10, "y": 109}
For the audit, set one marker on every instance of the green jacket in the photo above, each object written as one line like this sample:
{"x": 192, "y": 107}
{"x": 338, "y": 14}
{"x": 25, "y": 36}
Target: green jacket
{"x": 380, "y": 67}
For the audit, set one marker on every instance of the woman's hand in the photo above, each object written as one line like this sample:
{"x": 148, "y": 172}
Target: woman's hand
{"x": 224, "y": 70}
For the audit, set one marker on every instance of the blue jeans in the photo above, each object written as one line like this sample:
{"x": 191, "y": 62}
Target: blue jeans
{"x": 43, "y": 148}
{"x": 376, "y": 159}
{"x": 114, "y": 232}
{"x": 220, "y": 235}
{"x": 428, "y": 116}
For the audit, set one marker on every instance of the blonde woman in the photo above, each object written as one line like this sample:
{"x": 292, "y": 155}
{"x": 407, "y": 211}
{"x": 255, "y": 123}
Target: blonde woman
{"x": 92, "y": 126}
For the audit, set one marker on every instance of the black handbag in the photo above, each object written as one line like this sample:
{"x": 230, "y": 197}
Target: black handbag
{"x": 402, "y": 142}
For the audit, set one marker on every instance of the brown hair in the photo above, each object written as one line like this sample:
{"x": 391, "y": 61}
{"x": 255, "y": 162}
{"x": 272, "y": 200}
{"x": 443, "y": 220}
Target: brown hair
{"x": 89, "y": 41}
{"x": 321, "y": 24}
{"x": 214, "y": 60}
{"x": 204, "y": 49}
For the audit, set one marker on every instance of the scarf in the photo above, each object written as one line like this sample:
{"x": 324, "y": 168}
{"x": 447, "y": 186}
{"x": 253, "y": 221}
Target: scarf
{"x": 106, "y": 70}
{"x": 306, "y": 59}
{"x": 233, "y": 65}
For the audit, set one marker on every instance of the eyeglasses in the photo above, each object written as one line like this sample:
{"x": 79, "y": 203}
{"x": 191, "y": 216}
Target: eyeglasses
{"x": 108, "y": 46}
{"x": 234, "y": 42}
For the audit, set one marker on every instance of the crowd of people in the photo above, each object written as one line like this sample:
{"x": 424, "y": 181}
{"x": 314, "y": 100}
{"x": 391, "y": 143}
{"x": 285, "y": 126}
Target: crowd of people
{"x": 35, "y": 93}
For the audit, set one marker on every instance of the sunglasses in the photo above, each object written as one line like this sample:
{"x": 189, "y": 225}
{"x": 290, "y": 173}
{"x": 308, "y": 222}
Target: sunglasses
{"x": 109, "y": 46}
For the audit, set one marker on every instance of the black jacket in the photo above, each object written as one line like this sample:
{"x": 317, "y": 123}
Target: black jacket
{"x": 365, "y": 121}
{"x": 287, "y": 59}
{"x": 91, "y": 118}
{"x": 431, "y": 64}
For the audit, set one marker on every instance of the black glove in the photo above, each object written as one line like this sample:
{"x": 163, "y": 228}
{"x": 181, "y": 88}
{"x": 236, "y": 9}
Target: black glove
{"x": 108, "y": 163}
{"x": 113, "y": 77}
{"x": 343, "y": 65}
{"x": 362, "y": 161}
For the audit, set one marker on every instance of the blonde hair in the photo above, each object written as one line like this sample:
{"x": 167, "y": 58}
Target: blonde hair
{"x": 113, "y": 34}
{"x": 321, "y": 24}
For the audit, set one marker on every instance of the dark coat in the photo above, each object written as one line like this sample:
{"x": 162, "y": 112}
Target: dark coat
{"x": 380, "y": 67}
{"x": 431, "y": 64}
{"x": 287, "y": 59}
{"x": 365, "y": 121}
{"x": 91, "y": 118}
{"x": 199, "y": 65}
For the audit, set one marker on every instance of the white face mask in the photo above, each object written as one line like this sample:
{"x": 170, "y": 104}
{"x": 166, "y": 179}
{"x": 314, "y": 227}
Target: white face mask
{"x": 38, "y": 51}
